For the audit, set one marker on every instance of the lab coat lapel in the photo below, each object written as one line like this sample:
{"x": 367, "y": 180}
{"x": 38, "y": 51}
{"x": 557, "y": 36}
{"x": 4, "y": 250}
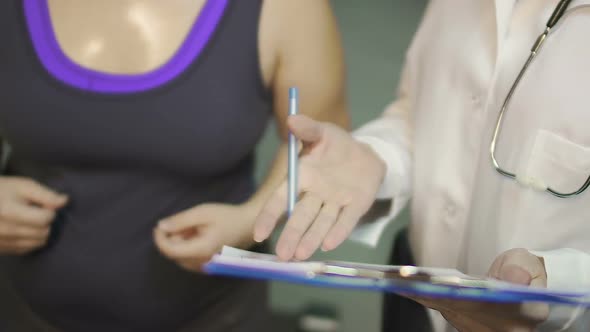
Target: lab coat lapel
{"x": 504, "y": 10}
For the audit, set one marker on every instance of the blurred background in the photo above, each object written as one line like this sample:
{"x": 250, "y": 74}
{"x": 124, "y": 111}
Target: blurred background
{"x": 376, "y": 34}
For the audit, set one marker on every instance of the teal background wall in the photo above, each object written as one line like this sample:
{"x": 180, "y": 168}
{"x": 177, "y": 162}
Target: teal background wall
{"x": 376, "y": 34}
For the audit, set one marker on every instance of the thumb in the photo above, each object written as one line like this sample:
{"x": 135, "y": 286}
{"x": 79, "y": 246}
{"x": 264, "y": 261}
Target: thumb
{"x": 305, "y": 128}
{"x": 515, "y": 274}
{"x": 182, "y": 221}
{"x": 520, "y": 267}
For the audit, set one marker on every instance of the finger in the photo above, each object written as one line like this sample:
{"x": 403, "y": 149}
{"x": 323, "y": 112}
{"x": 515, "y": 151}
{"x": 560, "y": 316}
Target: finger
{"x": 522, "y": 267}
{"x": 175, "y": 238}
{"x": 21, "y": 212}
{"x": 195, "y": 248}
{"x": 503, "y": 317}
{"x": 185, "y": 221}
{"x": 193, "y": 265}
{"x": 304, "y": 213}
{"x": 463, "y": 323}
{"x": 11, "y": 231}
{"x": 187, "y": 264}
{"x": 270, "y": 214}
{"x": 494, "y": 271}
{"x": 36, "y": 193}
{"x": 349, "y": 217}
{"x": 475, "y": 316}
{"x": 305, "y": 129}
{"x": 313, "y": 238}
{"x": 21, "y": 246}
{"x": 536, "y": 312}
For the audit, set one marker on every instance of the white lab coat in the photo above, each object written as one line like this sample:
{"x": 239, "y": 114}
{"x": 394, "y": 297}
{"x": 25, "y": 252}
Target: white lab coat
{"x": 435, "y": 137}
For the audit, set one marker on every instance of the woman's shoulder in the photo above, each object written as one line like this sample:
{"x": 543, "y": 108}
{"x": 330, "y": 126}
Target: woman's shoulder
{"x": 296, "y": 30}
{"x": 285, "y": 18}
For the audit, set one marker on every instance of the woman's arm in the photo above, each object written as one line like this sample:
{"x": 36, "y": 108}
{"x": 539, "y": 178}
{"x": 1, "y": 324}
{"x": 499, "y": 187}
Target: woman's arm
{"x": 351, "y": 170}
{"x": 300, "y": 46}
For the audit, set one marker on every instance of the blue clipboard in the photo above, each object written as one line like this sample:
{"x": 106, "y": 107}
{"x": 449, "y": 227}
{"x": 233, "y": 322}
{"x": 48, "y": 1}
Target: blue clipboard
{"x": 299, "y": 274}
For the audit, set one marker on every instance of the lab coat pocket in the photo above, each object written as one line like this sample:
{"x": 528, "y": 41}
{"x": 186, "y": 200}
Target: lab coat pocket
{"x": 544, "y": 221}
{"x": 557, "y": 163}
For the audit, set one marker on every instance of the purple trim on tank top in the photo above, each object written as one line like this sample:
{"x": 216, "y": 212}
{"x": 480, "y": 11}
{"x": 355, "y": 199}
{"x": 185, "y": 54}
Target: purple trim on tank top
{"x": 64, "y": 69}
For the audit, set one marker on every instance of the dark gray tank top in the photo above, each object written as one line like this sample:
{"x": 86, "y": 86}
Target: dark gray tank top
{"x": 128, "y": 157}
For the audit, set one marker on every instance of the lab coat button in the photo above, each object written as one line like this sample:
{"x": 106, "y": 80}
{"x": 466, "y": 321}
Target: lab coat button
{"x": 448, "y": 216}
{"x": 451, "y": 210}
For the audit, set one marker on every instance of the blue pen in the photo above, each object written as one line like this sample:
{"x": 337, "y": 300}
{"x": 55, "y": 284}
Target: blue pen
{"x": 293, "y": 153}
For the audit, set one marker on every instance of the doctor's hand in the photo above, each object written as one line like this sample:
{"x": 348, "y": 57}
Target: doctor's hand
{"x": 517, "y": 266}
{"x": 190, "y": 238}
{"x": 338, "y": 181}
{"x": 27, "y": 210}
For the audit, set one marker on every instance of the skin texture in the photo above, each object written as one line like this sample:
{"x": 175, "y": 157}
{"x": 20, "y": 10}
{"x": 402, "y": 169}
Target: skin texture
{"x": 124, "y": 37}
{"x": 338, "y": 180}
{"x": 299, "y": 44}
{"x": 27, "y": 210}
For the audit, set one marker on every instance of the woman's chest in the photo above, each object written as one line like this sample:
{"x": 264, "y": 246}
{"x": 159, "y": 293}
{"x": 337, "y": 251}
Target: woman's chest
{"x": 125, "y": 37}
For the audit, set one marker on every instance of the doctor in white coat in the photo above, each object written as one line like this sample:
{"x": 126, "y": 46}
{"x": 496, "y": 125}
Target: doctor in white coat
{"x": 494, "y": 150}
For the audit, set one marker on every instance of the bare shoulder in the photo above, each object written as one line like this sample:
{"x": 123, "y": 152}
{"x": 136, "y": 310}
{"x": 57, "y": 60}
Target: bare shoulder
{"x": 291, "y": 28}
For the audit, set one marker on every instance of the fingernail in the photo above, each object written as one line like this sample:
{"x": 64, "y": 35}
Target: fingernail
{"x": 515, "y": 274}
{"x": 259, "y": 238}
{"x": 260, "y": 235}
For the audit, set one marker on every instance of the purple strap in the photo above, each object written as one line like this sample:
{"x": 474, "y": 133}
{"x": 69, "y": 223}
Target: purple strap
{"x": 64, "y": 69}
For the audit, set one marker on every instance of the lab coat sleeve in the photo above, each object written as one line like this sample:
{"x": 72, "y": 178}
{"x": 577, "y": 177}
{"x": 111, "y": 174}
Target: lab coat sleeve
{"x": 566, "y": 268}
{"x": 390, "y": 137}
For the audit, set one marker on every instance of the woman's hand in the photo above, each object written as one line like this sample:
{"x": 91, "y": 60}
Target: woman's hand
{"x": 27, "y": 210}
{"x": 192, "y": 237}
{"x": 338, "y": 181}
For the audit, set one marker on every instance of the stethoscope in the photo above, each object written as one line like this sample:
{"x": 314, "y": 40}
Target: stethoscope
{"x": 532, "y": 182}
